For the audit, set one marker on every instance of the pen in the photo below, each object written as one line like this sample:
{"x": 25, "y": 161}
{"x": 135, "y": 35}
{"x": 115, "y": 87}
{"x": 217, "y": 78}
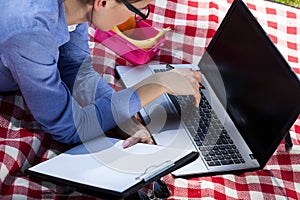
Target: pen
{"x": 169, "y": 67}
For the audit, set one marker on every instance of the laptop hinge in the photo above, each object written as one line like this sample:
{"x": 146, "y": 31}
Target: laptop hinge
{"x": 288, "y": 141}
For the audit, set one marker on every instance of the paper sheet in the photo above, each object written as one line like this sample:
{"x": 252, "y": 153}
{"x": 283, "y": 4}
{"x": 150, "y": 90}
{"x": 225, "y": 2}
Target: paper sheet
{"x": 104, "y": 163}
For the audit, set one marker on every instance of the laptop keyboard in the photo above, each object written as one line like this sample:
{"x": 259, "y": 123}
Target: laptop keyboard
{"x": 213, "y": 141}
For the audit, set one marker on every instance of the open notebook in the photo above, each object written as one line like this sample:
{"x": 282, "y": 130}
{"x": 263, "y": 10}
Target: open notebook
{"x": 103, "y": 168}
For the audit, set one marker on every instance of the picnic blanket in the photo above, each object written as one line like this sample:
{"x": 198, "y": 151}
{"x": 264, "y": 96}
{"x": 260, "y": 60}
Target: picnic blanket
{"x": 193, "y": 23}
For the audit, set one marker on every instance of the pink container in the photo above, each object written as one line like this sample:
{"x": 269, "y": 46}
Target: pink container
{"x": 126, "y": 49}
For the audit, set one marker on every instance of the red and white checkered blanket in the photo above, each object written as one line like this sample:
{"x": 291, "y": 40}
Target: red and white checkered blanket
{"x": 194, "y": 23}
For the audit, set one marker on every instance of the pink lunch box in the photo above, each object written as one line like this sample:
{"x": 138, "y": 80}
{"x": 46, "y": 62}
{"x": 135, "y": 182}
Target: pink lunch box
{"x": 126, "y": 49}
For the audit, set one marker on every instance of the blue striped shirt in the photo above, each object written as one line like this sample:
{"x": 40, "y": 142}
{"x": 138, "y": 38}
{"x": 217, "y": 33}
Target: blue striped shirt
{"x": 53, "y": 70}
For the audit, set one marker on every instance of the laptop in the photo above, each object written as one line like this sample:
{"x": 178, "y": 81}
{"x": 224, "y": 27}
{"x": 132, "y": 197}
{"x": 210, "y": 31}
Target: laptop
{"x": 250, "y": 100}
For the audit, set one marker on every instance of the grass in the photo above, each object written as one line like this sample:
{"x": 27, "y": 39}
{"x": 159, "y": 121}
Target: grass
{"x": 294, "y": 3}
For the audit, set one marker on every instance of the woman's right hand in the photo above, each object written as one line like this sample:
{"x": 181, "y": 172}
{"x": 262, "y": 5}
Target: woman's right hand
{"x": 183, "y": 81}
{"x": 180, "y": 81}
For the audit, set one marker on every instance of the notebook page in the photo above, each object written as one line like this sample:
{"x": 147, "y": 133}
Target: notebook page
{"x": 103, "y": 163}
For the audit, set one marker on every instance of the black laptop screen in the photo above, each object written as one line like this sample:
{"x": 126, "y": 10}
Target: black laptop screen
{"x": 252, "y": 80}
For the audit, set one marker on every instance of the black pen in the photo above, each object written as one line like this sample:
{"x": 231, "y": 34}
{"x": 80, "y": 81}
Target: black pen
{"x": 169, "y": 67}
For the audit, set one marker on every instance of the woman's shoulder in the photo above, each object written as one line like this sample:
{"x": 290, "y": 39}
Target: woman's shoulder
{"x": 17, "y": 16}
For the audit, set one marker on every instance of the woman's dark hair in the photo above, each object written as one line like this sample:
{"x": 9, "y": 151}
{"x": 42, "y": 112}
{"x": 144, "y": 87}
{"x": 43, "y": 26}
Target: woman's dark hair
{"x": 129, "y": 1}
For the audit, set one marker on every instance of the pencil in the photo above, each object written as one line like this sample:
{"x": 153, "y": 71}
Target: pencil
{"x": 168, "y": 66}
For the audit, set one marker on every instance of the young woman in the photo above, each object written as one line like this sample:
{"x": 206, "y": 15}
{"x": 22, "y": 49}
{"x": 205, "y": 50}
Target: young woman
{"x": 52, "y": 68}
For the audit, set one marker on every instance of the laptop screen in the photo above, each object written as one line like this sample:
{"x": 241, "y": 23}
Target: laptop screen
{"x": 253, "y": 81}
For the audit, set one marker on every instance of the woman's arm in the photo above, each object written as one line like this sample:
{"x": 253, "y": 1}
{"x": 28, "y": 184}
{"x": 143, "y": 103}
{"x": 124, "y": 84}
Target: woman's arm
{"x": 33, "y": 66}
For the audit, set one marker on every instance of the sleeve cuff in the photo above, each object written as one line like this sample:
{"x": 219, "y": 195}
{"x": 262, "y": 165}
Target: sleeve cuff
{"x": 125, "y": 104}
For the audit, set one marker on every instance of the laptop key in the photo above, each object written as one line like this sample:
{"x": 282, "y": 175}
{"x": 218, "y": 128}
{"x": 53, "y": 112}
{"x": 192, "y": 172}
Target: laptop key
{"x": 207, "y": 158}
{"x": 227, "y": 162}
{"x": 214, "y": 163}
{"x": 236, "y": 161}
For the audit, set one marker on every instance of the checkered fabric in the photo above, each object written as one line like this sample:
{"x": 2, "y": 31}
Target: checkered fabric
{"x": 193, "y": 24}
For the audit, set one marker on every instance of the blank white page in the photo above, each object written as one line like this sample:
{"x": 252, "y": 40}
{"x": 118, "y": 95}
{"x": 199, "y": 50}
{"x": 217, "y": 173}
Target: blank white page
{"x": 103, "y": 163}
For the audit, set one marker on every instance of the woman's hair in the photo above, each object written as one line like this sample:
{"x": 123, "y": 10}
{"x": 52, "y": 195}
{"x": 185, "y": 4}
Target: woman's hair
{"x": 129, "y": 1}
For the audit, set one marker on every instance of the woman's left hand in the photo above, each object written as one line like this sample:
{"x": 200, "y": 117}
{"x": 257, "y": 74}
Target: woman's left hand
{"x": 133, "y": 132}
